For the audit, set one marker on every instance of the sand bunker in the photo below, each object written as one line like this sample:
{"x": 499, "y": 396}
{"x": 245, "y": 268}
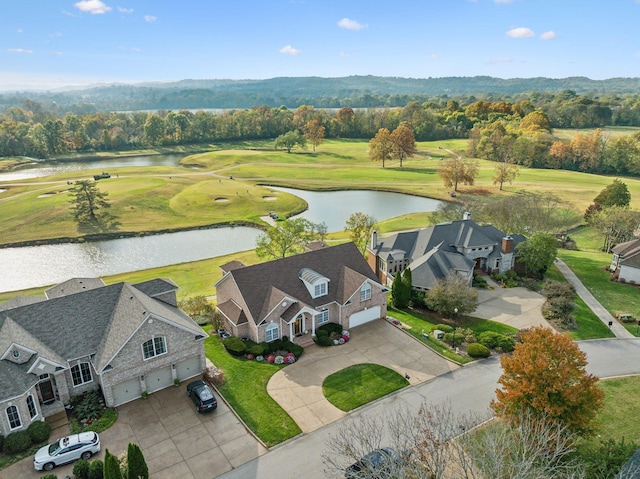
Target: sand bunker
{"x": 221, "y": 200}
{"x": 269, "y": 198}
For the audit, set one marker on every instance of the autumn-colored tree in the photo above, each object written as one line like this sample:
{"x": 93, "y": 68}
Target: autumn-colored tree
{"x": 458, "y": 170}
{"x": 381, "y": 146}
{"x": 615, "y": 194}
{"x": 546, "y": 377}
{"x": 505, "y": 172}
{"x": 314, "y": 132}
{"x": 536, "y": 120}
{"x": 451, "y": 296}
{"x": 404, "y": 143}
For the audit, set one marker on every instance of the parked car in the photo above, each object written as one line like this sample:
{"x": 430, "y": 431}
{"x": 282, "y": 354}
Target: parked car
{"x": 382, "y": 461}
{"x": 67, "y": 449}
{"x": 202, "y": 396}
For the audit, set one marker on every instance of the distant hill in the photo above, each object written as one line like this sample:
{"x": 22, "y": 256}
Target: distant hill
{"x": 354, "y": 91}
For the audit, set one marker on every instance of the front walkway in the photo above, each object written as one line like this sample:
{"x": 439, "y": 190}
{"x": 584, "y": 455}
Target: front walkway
{"x": 298, "y": 387}
{"x": 616, "y": 328}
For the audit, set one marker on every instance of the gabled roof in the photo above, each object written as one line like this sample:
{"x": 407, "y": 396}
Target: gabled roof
{"x": 73, "y": 285}
{"x": 18, "y": 301}
{"x": 15, "y": 379}
{"x": 157, "y": 287}
{"x": 263, "y": 286}
{"x": 436, "y": 265}
{"x": 627, "y": 250}
{"x": 231, "y": 265}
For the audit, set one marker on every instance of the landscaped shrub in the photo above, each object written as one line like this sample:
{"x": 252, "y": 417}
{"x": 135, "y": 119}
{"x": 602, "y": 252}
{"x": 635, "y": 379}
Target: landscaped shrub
{"x": 331, "y": 328}
{"x": 506, "y": 343}
{"x": 477, "y": 350}
{"x": 234, "y": 345}
{"x": 81, "y": 469}
{"x": 49, "y": 476}
{"x": 296, "y": 349}
{"x": 271, "y": 358}
{"x": 479, "y": 281}
{"x": 257, "y": 349}
{"x": 489, "y": 339}
{"x": 324, "y": 340}
{"x": 275, "y": 345}
{"x": 555, "y": 289}
{"x": 445, "y": 328}
{"x": 16, "y": 442}
{"x": 259, "y": 358}
{"x": 278, "y": 360}
{"x": 453, "y": 338}
{"x": 96, "y": 469}
{"x": 39, "y": 431}
{"x": 1, "y": 442}
{"x": 250, "y": 357}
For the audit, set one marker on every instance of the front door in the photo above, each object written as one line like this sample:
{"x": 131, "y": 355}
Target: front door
{"x": 47, "y": 393}
{"x": 297, "y": 326}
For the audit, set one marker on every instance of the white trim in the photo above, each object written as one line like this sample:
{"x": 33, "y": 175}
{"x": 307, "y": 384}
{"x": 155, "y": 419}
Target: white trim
{"x": 79, "y": 366}
{"x": 6, "y": 413}
{"x": 18, "y": 346}
{"x": 34, "y": 407}
{"x": 45, "y": 360}
{"x": 270, "y": 327}
{"x": 153, "y": 340}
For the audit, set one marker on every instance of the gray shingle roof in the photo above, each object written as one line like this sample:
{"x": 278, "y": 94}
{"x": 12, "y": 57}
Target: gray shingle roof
{"x": 14, "y": 379}
{"x": 156, "y": 287}
{"x": 264, "y": 285}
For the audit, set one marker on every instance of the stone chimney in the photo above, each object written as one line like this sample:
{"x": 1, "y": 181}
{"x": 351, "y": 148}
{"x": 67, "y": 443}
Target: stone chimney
{"x": 374, "y": 240}
{"x": 507, "y": 244}
{"x": 466, "y": 216}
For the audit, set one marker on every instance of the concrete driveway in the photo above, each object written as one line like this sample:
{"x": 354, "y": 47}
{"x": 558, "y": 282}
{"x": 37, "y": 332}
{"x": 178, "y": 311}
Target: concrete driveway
{"x": 177, "y": 442}
{"x": 298, "y": 387}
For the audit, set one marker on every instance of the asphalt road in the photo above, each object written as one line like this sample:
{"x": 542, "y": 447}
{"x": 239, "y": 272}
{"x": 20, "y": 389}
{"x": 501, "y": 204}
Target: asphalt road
{"x": 466, "y": 390}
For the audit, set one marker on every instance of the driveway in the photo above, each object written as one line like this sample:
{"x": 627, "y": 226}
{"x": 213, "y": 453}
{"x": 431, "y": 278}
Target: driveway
{"x": 518, "y": 307}
{"x": 177, "y": 442}
{"x": 298, "y": 387}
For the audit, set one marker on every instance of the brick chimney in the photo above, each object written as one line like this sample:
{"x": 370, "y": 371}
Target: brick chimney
{"x": 507, "y": 244}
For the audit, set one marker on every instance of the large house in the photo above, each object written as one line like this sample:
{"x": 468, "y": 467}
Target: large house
{"x": 455, "y": 247}
{"x": 625, "y": 262}
{"x": 294, "y": 295}
{"x": 82, "y": 335}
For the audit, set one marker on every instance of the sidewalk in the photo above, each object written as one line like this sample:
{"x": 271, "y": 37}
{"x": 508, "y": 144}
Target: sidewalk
{"x": 616, "y": 328}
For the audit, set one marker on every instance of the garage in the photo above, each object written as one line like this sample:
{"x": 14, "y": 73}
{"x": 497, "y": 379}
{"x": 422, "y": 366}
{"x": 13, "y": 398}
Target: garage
{"x": 362, "y": 317}
{"x": 126, "y": 391}
{"x": 189, "y": 368}
{"x": 158, "y": 379}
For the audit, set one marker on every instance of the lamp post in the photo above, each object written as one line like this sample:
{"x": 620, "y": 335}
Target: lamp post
{"x": 453, "y": 336}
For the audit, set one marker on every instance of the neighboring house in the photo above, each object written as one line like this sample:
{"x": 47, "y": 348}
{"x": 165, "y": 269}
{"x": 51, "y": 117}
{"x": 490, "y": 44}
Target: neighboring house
{"x": 293, "y": 296}
{"x": 625, "y": 262}
{"x": 433, "y": 253}
{"x": 82, "y": 335}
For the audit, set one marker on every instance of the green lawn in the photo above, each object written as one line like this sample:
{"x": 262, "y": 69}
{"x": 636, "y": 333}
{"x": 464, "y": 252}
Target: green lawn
{"x": 245, "y": 388}
{"x": 360, "y": 384}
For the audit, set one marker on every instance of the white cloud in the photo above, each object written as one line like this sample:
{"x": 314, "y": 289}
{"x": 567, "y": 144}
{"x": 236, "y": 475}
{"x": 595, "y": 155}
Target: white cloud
{"x": 19, "y": 50}
{"x": 349, "y": 24}
{"x": 550, "y": 35}
{"x": 435, "y": 56}
{"x": 503, "y": 1}
{"x": 289, "y": 50}
{"x": 150, "y": 18}
{"x": 19, "y": 30}
{"x": 57, "y": 52}
{"x": 94, "y": 7}
{"x": 124, "y": 10}
{"x": 502, "y": 60}
{"x": 520, "y": 32}
{"x": 344, "y": 55}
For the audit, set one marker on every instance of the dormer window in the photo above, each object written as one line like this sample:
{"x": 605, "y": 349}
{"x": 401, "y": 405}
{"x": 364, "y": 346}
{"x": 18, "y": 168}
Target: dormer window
{"x": 316, "y": 284}
{"x": 365, "y": 292}
{"x": 16, "y": 353}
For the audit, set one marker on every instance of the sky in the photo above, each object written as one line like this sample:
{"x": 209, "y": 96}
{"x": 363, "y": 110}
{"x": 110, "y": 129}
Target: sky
{"x": 46, "y": 44}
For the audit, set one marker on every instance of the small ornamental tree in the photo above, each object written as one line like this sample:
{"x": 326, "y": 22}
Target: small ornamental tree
{"x": 451, "y": 296}
{"x": 136, "y": 465}
{"x": 399, "y": 295}
{"x": 545, "y": 377}
{"x": 538, "y": 253}
{"x": 111, "y": 466}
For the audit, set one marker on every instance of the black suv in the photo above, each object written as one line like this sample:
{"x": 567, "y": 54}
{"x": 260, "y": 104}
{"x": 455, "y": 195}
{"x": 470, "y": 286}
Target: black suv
{"x": 202, "y": 396}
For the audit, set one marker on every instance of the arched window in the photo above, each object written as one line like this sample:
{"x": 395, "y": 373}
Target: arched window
{"x": 81, "y": 374}
{"x": 365, "y": 292}
{"x": 272, "y": 332}
{"x": 13, "y": 416}
{"x": 33, "y": 412}
{"x": 154, "y": 347}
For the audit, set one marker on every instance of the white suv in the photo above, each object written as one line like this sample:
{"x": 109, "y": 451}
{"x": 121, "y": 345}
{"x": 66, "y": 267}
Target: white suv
{"x": 67, "y": 449}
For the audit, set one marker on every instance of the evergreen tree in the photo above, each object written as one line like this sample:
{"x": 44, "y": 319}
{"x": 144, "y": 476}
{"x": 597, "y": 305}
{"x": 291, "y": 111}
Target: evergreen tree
{"x": 111, "y": 466}
{"x": 137, "y": 467}
{"x": 398, "y": 298}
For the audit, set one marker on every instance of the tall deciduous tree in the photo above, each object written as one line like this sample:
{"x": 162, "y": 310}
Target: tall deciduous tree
{"x": 538, "y": 253}
{"x": 359, "y": 226}
{"x": 615, "y": 194}
{"x": 90, "y": 206}
{"x": 291, "y": 139}
{"x": 616, "y": 224}
{"x": 546, "y": 377}
{"x": 404, "y": 143}
{"x": 154, "y": 129}
{"x": 505, "y": 172}
{"x": 285, "y": 239}
{"x": 458, "y": 170}
{"x": 136, "y": 465}
{"x": 314, "y": 132}
{"x": 381, "y": 146}
{"x": 451, "y": 296}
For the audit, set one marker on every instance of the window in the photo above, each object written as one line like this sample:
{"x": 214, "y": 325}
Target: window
{"x": 322, "y": 317}
{"x": 33, "y": 412}
{"x": 81, "y": 374}
{"x": 14, "y": 417}
{"x": 320, "y": 290}
{"x": 365, "y": 292}
{"x": 271, "y": 333}
{"x": 154, "y": 347}
{"x": 16, "y": 353}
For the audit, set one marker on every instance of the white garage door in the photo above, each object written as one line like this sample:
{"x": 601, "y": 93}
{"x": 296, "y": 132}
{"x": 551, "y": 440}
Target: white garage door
{"x": 126, "y": 391}
{"x": 158, "y": 379}
{"x": 356, "y": 319}
{"x": 189, "y": 368}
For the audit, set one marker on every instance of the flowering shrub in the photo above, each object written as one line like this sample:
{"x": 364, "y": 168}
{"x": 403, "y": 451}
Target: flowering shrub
{"x": 260, "y": 358}
{"x": 346, "y": 333}
{"x": 341, "y": 341}
{"x": 279, "y": 360}
{"x": 345, "y": 338}
{"x": 335, "y": 342}
{"x": 290, "y": 358}
{"x": 271, "y": 358}
{"x": 250, "y": 356}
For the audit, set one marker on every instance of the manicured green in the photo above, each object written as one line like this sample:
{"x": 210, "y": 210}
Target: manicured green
{"x": 245, "y": 388}
{"x": 360, "y": 384}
